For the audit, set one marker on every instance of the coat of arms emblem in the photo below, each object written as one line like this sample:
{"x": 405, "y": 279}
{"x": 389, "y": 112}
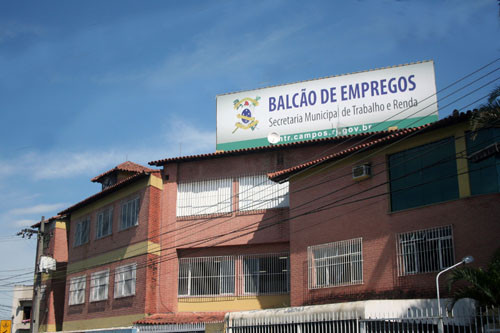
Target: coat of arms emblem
{"x": 245, "y": 108}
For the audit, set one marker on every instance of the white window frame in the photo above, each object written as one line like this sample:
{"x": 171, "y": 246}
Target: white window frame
{"x": 206, "y": 197}
{"x": 77, "y": 287}
{"x": 335, "y": 264}
{"x": 258, "y": 192}
{"x": 121, "y": 279}
{"x": 416, "y": 248}
{"x": 101, "y": 216}
{"x": 257, "y": 279}
{"x": 99, "y": 281}
{"x": 82, "y": 232}
{"x": 129, "y": 216}
{"x": 225, "y": 280}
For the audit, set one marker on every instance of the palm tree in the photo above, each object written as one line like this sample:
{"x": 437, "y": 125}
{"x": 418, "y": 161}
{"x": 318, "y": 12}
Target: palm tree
{"x": 481, "y": 285}
{"x": 488, "y": 114}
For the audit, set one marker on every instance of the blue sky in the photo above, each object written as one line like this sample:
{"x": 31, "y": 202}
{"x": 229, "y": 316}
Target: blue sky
{"x": 86, "y": 85}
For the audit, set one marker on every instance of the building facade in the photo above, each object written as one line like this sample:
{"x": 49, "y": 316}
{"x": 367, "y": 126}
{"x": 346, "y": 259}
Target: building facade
{"x": 371, "y": 216}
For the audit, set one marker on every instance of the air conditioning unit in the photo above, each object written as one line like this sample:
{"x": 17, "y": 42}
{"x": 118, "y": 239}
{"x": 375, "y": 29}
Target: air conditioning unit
{"x": 360, "y": 172}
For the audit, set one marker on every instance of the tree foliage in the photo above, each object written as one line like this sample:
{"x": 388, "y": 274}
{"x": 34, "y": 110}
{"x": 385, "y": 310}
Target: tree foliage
{"x": 483, "y": 285}
{"x": 488, "y": 114}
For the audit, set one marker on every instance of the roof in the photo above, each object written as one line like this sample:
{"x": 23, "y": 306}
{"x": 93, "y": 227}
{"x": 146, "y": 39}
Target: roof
{"x": 456, "y": 117}
{"x": 182, "y": 318}
{"x": 107, "y": 191}
{"x": 125, "y": 166}
{"x": 283, "y": 146}
{"x": 50, "y": 219}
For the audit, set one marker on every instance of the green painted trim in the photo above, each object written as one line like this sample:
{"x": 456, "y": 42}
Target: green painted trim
{"x": 328, "y": 133}
{"x": 134, "y": 250}
{"x": 107, "y": 322}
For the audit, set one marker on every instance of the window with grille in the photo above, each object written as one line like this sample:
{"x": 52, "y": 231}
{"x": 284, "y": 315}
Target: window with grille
{"x": 424, "y": 251}
{"x": 258, "y": 192}
{"x": 336, "y": 264}
{"x": 423, "y": 175}
{"x": 207, "y": 276}
{"x": 125, "y": 279}
{"x": 77, "y": 290}
{"x": 130, "y": 214}
{"x": 82, "y": 232}
{"x": 265, "y": 274}
{"x": 204, "y": 197}
{"x": 104, "y": 223}
{"x": 99, "y": 282}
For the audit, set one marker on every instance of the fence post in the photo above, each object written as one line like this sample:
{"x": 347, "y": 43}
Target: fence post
{"x": 361, "y": 326}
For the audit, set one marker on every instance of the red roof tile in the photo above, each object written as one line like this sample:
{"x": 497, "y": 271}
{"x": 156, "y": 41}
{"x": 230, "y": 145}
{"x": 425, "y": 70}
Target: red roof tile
{"x": 53, "y": 218}
{"x": 107, "y": 191}
{"x": 454, "y": 118}
{"x": 125, "y": 166}
{"x": 182, "y": 318}
{"x": 284, "y": 146}
{"x": 260, "y": 149}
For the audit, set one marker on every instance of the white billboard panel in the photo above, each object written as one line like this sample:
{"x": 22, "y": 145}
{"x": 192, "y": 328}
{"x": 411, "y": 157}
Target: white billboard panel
{"x": 396, "y": 97}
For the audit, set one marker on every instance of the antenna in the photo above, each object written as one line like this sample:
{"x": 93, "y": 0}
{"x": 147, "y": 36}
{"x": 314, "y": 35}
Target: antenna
{"x": 273, "y": 138}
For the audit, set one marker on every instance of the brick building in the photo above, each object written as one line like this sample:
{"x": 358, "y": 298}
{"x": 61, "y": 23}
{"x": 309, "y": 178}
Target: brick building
{"x": 279, "y": 226}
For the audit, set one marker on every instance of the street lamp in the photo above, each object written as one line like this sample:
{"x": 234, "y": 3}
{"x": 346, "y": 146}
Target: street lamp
{"x": 465, "y": 260}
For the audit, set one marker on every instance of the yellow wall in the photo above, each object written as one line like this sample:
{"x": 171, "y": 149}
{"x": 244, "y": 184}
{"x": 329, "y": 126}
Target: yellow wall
{"x": 134, "y": 250}
{"x": 120, "y": 194}
{"x": 232, "y": 303}
{"x": 457, "y": 131}
{"x": 108, "y": 322}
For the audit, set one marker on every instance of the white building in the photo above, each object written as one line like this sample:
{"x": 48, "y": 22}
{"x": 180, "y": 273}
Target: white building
{"x": 21, "y": 308}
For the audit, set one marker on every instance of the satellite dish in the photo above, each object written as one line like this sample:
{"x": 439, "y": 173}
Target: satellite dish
{"x": 273, "y": 138}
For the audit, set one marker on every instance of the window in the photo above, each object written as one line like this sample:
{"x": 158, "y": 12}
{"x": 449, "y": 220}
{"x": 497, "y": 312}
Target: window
{"x": 204, "y": 197}
{"x": 125, "y": 281}
{"x": 484, "y": 173}
{"x": 335, "y": 264}
{"x": 77, "y": 290}
{"x": 82, "y": 232}
{"x": 265, "y": 275}
{"x": 208, "y": 276}
{"x": 99, "y": 282}
{"x": 130, "y": 214}
{"x": 424, "y": 251}
{"x": 26, "y": 309}
{"x": 423, "y": 175}
{"x": 258, "y": 192}
{"x": 104, "y": 223}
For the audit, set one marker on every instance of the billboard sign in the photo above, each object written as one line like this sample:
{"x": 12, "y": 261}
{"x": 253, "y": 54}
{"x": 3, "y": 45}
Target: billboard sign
{"x": 396, "y": 97}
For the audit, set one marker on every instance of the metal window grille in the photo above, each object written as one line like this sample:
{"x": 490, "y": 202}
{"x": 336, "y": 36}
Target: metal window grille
{"x": 130, "y": 214}
{"x": 99, "y": 282}
{"x": 258, "y": 192}
{"x": 77, "y": 290}
{"x": 82, "y": 232}
{"x": 104, "y": 223}
{"x": 204, "y": 197}
{"x": 125, "y": 278}
{"x": 206, "y": 276}
{"x": 335, "y": 264}
{"x": 265, "y": 274}
{"x": 424, "y": 251}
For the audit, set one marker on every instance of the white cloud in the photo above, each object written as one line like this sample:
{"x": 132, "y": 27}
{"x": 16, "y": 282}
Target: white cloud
{"x": 91, "y": 162}
{"x": 25, "y": 223}
{"x": 37, "y": 209}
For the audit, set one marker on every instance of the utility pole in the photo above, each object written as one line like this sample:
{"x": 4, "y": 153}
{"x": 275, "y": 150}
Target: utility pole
{"x": 38, "y": 279}
{"x": 35, "y": 309}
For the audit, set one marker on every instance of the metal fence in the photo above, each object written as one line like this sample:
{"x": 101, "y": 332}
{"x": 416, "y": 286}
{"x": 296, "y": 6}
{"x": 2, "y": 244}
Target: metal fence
{"x": 416, "y": 321}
